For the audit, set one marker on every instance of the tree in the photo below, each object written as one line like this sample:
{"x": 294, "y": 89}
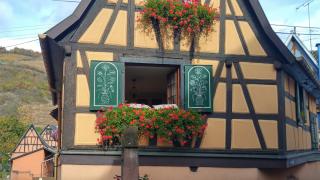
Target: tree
{"x": 11, "y": 131}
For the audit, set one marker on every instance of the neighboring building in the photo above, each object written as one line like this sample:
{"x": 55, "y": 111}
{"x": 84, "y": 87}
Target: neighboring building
{"x": 302, "y": 54}
{"x": 261, "y": 111}
{"x": 33, "y": 156}
{"x": 305, "y": 58}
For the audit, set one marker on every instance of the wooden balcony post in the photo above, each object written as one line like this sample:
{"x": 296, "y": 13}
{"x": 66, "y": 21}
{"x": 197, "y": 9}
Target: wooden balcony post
{"x": 130, "y": 159}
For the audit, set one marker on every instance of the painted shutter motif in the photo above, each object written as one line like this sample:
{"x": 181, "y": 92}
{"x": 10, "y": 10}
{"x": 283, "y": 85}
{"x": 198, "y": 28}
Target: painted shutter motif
{"x": 198, "y": 88}
{"x": 105, "y": 84}
{"x": 300, "y": 106}
{"x": 314, "y": 131}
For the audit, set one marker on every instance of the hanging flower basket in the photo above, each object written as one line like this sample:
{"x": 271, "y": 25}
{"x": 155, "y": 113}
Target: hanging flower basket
{"x": 186, "y": 19}
{"x": 170, "y": 125}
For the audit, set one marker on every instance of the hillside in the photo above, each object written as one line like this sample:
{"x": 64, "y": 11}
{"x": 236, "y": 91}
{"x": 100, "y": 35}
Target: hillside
{"x": 24, "y": 88}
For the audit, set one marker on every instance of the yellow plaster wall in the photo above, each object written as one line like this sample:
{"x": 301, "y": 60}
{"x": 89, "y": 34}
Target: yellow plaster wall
{"x": 82, "y": 91}
{"x": 233, "y": 72}
{"x": 312, "y": 105}
{"x": 309, "y": 140}
{"x": 118, "y": 33}
{"x": 115, "y": 1}
{"x": 308, "y": 171}
{"x": 290, "y": 135}
{"x": 270, "y": 133}
{"x": 208, "y": 44}
{"x": 85, "y": 129}
{"x": 138, "y": 2}
{"x": 213, "y": 63}
{"x": 258, "y": 71}
{"x": 203, "y": 173}
{"x": 89, "y": 172}
{"x": 244, "y": 135}
{"x": 297, "y": 138}
{"x": 300, "y": 136}
{"x": 289, "y": 86}
{"x": 239, "y": 104}
{"x": 95, "y": 31}
{"x": 100, "y": 56}
{"x": 264, "y": 98}
{"x": 214, "y": 136}
{"x": 219, "y": 102}
{"x": 251, "y": 40}
{"x": 228, "y": 10}
{"x": 290, "y": 107}
{"x": 232, "y": 43}
{"x": 236, "y": 8}
{"x": 214, "y": 3}
{"x": 142, "y": 39}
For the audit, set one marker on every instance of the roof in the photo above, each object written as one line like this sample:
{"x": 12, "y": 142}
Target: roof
{"x": 52, "y": 43}
{"x": 36, "y": 143}
{"x": 302, "y": 52}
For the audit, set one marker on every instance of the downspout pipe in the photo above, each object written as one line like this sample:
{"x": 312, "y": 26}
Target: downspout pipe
{"x": 318, "y": 48}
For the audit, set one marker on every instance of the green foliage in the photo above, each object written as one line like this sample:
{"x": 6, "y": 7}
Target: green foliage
{"x": 190, "y": 18}
{"x": 21, "y": 85}
{"x": 11, "y": 131}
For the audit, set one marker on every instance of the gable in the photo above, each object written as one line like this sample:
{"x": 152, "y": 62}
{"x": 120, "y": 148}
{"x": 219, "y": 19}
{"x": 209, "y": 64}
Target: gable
{"x": 30, "y": 142}
{"x": 300, "y": 51}
{"x": 114, "y": 24}
{"x": 49, "y": 135}
{"x": 241, "y": 31}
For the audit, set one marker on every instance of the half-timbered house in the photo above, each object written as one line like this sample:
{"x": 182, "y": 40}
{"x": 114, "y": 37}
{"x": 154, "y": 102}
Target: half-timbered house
{"x": 260, "y": 101}
{"x": 33, "y": 155}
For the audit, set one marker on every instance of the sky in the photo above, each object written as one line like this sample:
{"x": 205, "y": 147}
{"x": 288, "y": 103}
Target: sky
{"x": 22, "y": 21}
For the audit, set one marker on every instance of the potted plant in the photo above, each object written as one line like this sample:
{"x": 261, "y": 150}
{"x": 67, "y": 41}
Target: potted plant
{"x": 179, "y": 127}
{"x": 110, "y": 124}
{"x": 186, "y": 19}
{"x": 170, "y": 125}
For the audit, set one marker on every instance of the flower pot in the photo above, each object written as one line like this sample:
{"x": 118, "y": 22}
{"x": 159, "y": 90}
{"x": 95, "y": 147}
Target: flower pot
{"x": 186, "y": 142}
{"x": 163, "y": 143}
{"x": 143, "y": 141}
{"x": 111, "y": 143}
{"x": 156, "y": 27}
{"x": 177, "y": 37}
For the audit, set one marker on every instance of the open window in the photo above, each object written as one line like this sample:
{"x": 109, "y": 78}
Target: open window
{"x": 301, "y": 108}
{"x": 152, "y": 84}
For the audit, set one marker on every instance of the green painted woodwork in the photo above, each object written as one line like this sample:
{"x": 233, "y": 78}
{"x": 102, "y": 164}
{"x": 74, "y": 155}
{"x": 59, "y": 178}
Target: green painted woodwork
{"x": 198, "y": 88}
{"x": 314, "y": 131}
{"x": 105, "y": 84}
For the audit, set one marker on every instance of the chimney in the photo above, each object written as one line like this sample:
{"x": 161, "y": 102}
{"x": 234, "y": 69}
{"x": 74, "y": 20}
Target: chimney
{"x": 318, "y": 49}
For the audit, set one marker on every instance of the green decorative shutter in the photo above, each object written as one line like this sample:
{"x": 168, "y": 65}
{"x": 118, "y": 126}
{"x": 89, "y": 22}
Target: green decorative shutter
{"x": 314, "y": 131}
{"x": 198, "y": 88}
{"x": 299, "y": 105}
{"x": 105, "y": 84}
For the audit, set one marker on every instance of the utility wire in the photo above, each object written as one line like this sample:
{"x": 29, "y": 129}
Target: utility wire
{"x": 26, "y": 37}
{"x": 284, "y": 25}
{"x": 26, "y": 42}
{"x": 67, "y": 1}
{"x": 303, "y": 34}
